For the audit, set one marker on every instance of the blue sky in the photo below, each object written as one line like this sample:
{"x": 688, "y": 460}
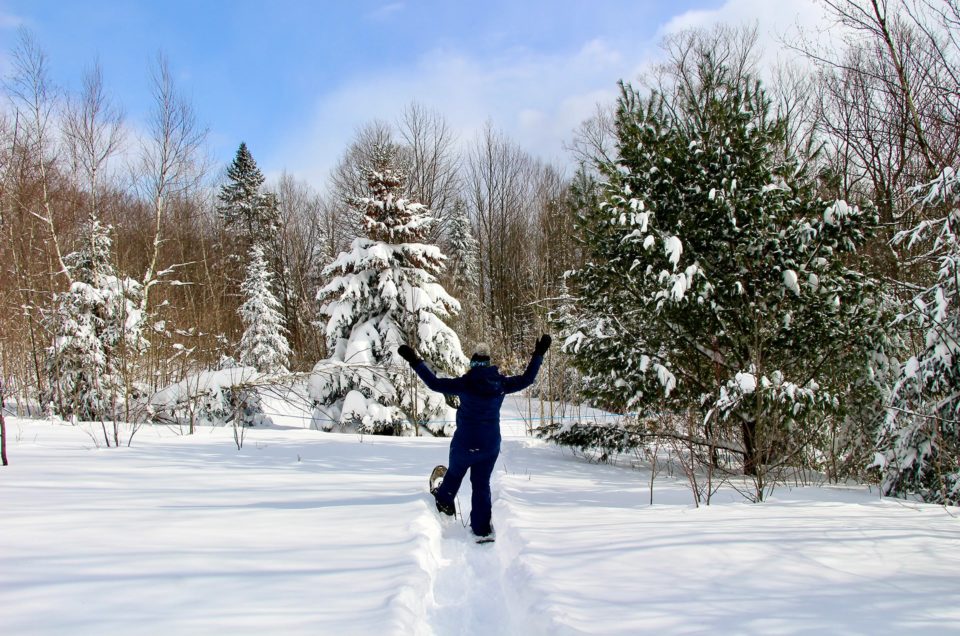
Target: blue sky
{"x": 296, "y": 79}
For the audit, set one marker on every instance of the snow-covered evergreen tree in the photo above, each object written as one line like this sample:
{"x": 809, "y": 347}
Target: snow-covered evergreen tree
{"x": 463, "y": 250}
{"x": 264, "y": 343}
{"x": 380, "y": 294}
{"x": 97, "y": 327}
{"x": 247, "y": 210}
{"x": 462, "y": 274}
{"x": 920, "y": 448}
{"x": 717, "y": 285}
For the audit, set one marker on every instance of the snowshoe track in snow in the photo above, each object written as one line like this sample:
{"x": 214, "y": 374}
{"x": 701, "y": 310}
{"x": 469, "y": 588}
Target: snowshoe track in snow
{"x": 469, "y": 590}
{"x": 483, "y": 588}
{"x": 468, "y": 587}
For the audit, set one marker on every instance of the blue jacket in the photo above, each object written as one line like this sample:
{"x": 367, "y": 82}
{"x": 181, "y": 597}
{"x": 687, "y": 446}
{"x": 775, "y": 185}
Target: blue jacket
{"x": 481, "y": 391}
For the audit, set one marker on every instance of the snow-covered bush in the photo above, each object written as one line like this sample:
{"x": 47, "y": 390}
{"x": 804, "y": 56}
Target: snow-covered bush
{"x": 608, "y": 440}
{"x": 212, "y": 398}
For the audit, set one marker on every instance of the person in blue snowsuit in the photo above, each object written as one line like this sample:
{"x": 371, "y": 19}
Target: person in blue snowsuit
{"x": 476, "y": 442}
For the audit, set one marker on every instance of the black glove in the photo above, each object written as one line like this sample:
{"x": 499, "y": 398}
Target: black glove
{"x": 542, "y": 345}
{"x": 408, "y": 354}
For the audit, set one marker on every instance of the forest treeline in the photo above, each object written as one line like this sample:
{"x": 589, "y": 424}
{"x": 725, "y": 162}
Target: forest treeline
{"x": 702, "y": 187}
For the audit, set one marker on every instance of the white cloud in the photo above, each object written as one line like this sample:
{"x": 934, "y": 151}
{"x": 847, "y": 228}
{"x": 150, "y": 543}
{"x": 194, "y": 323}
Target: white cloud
{"x": 777, "y": 21}
{"x": 10, "y": 21}
{"x": 538, "y": 100}
{"x": 599, "y": 53}
{"x": 385, "y": 11}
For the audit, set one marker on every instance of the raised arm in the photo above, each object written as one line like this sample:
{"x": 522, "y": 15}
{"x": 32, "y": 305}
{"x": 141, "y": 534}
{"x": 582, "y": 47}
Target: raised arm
{"x": 449, "y": 386}
{"x": 516, "y": 383}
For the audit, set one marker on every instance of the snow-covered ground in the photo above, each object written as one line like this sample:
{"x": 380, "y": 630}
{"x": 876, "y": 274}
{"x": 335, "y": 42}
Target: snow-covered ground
{"x": 314, "y": 533}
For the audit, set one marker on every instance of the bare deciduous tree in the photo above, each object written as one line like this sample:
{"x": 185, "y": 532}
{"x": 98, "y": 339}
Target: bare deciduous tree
{"x": 734, "y": 47}
{"x": 433, "y": 165}
{"x": 501, "y": 182}
{"x": 170, "y": 169}
{"x": 3, "y": 425}
{"x": 93, "y": 132}
{"x": 303, "y": 251}
{"x": 595, "y": 140}
{"x": 34, "y": 98}
{"x": 170, "y": 159}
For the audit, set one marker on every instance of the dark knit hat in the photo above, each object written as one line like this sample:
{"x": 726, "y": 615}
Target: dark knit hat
{"x": 481, "y": 356}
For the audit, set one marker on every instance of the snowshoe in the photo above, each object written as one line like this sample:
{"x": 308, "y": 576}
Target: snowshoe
{"x": 486, "y": 538}
{"x": 436, "y": 478}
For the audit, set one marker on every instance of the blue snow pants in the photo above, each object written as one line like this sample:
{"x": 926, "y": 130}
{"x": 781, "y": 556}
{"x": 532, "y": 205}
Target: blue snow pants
{"x": 480, "y": 463}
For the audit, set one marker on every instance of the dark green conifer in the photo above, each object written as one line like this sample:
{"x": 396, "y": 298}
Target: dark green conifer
{"x": 244, "y": 207}
{"x": 717, "y": 287}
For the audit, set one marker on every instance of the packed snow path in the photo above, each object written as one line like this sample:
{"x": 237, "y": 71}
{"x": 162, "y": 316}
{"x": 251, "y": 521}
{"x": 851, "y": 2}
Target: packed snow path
{"x": 308, "y": 533}
{"x": 468, "y": 591}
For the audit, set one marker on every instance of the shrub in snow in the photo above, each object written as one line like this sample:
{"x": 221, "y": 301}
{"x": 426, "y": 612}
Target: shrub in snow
{"x": 212, "y": 398}
{"x": 97, "y": 329}
{"x": 381, "y": 293}
{"x": 606, "y": 439}
{"x": 919, "y": 451}
{"x": 716, "y": 282}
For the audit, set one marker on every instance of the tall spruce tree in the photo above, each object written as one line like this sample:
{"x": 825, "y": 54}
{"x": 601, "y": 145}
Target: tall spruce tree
{"x": 380, "y": 294}
{"x": 264, "y": 343}
{"x": 463, "y": 250}
{"x": 244, "y": 207}
{"x": 716, "y": 286}
{"x": 463, "y": 273}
